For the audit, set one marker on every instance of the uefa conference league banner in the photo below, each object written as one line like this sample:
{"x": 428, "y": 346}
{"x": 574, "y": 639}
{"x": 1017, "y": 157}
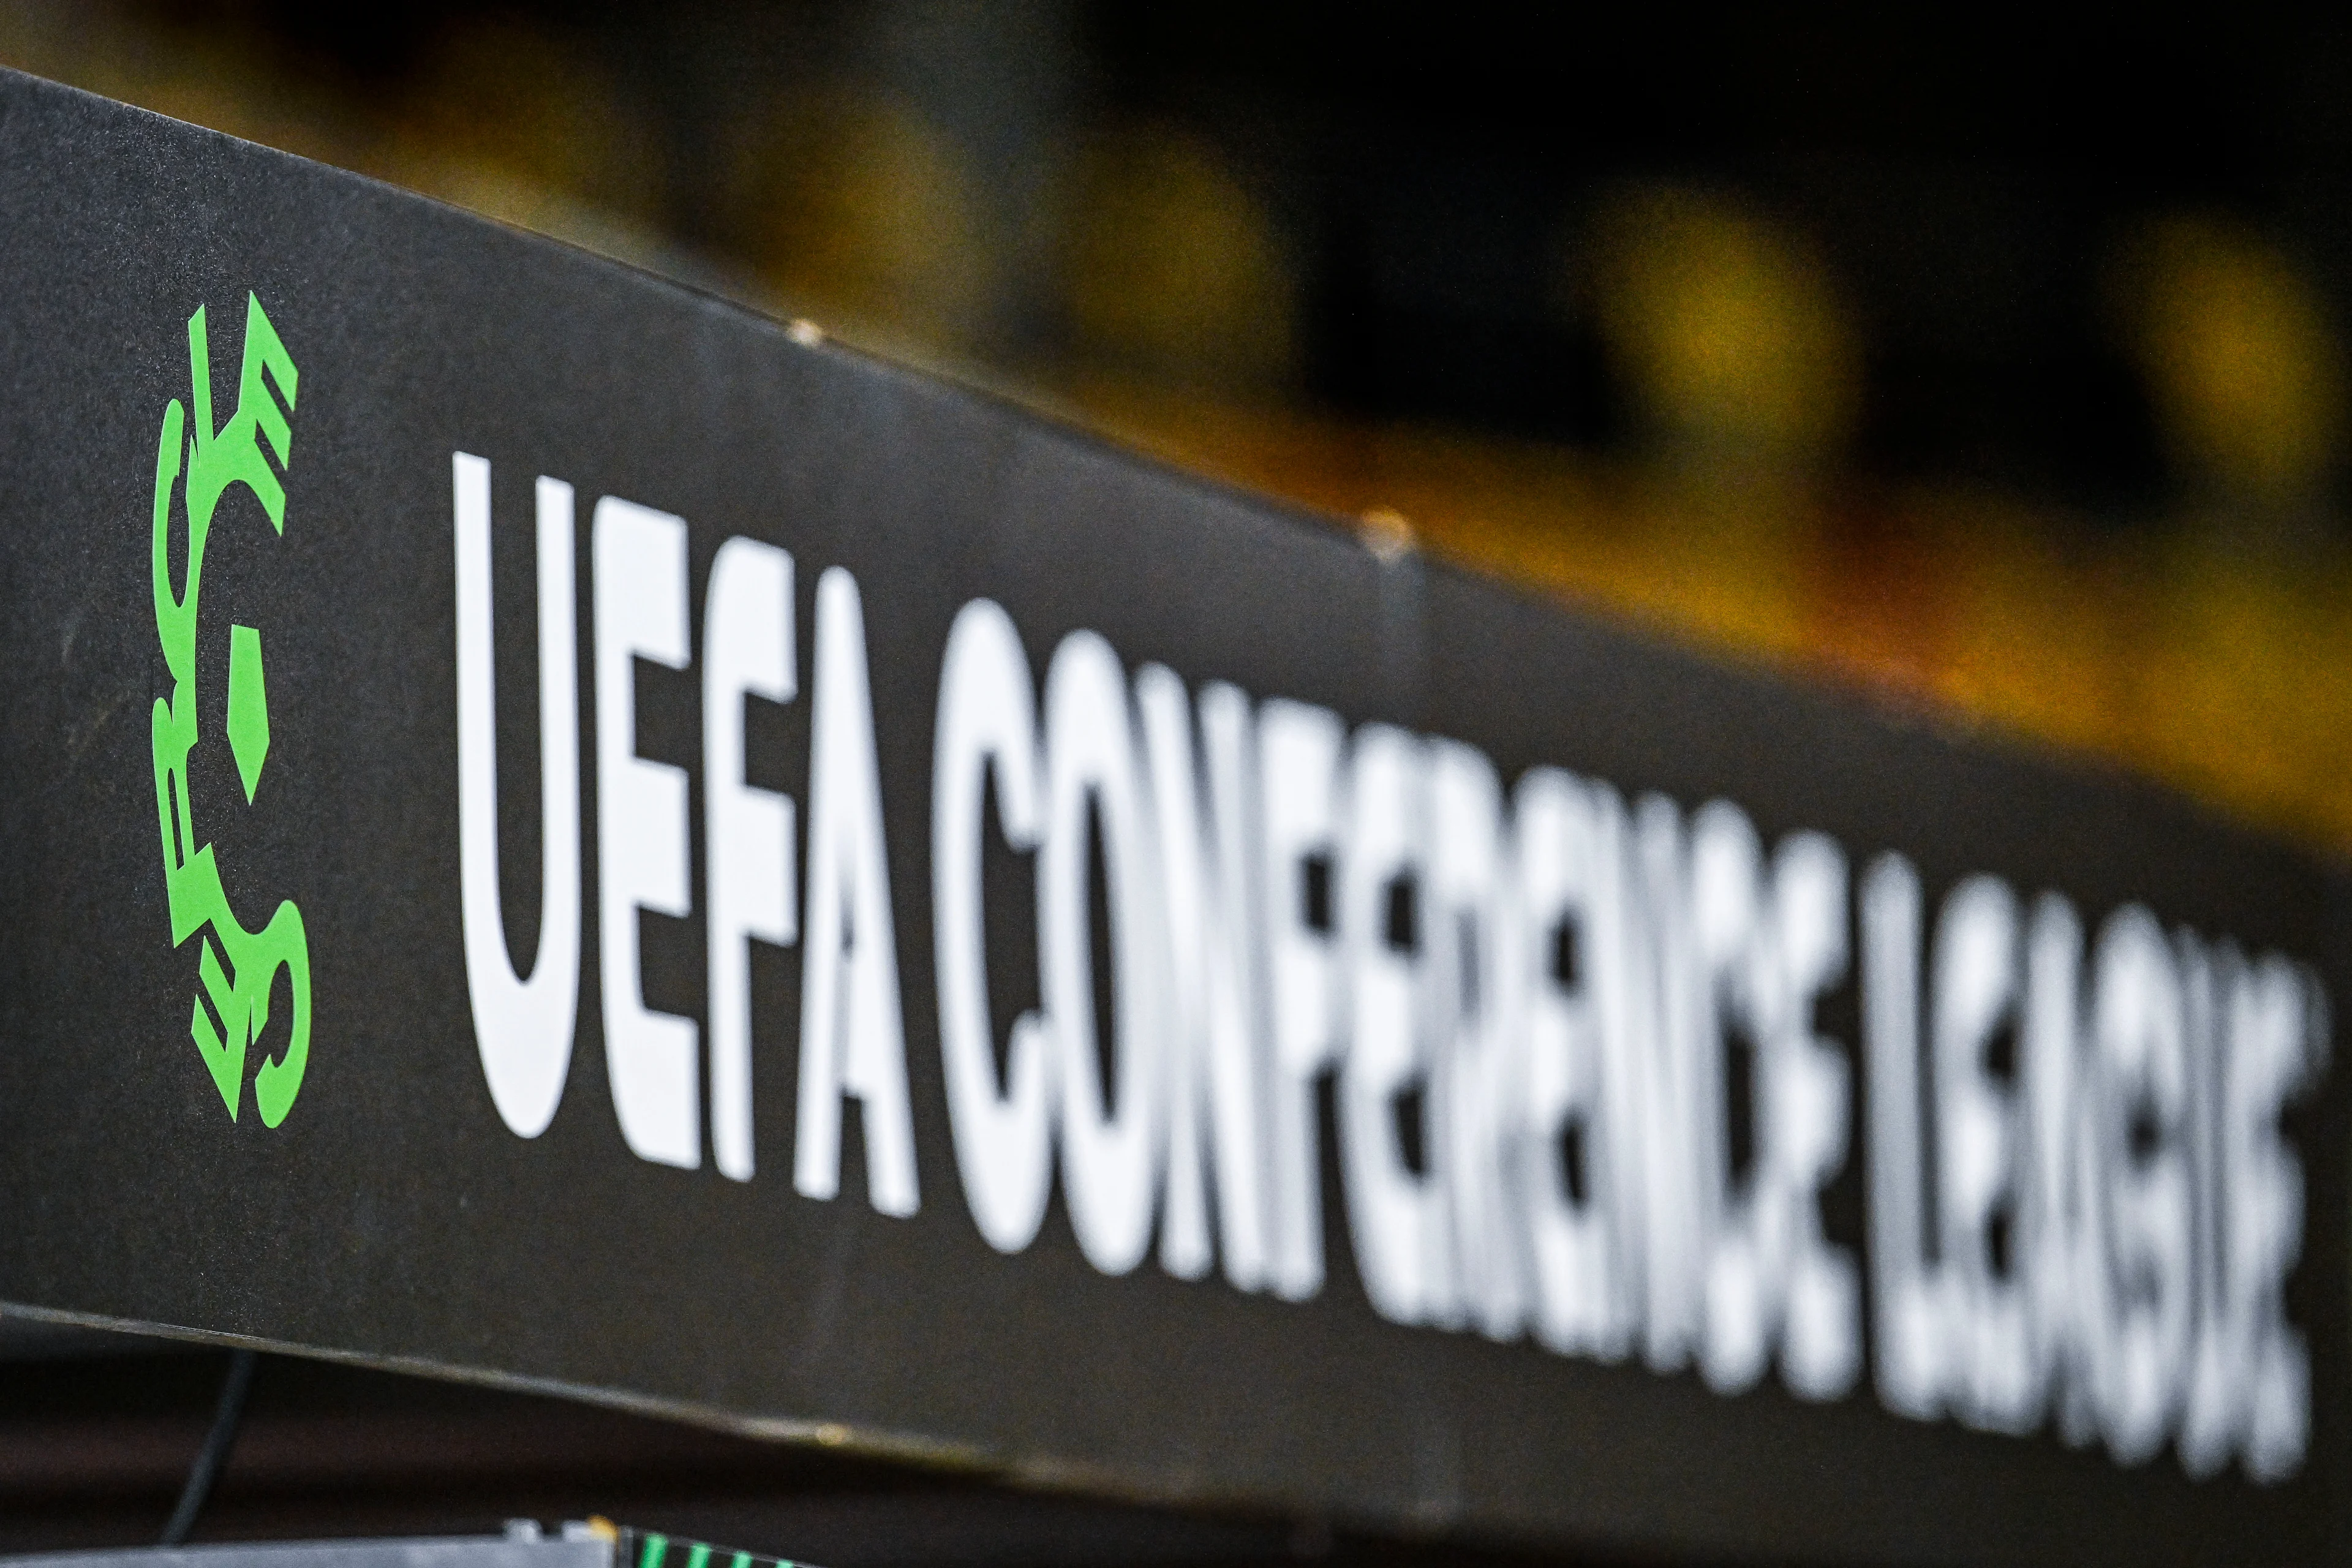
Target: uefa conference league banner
{"x": 558, "y": 831}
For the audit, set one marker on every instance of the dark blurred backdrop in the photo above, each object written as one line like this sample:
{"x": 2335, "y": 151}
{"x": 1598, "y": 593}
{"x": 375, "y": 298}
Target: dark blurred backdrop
{"x": 1996, "y": 366}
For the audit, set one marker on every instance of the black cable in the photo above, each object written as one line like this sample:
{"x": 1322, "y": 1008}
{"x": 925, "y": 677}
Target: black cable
{"x": 214, "y": 1453}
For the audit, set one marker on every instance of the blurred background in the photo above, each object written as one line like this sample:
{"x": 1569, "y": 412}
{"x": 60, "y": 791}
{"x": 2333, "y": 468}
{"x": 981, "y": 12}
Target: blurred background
{"x": 1997, "y": 372}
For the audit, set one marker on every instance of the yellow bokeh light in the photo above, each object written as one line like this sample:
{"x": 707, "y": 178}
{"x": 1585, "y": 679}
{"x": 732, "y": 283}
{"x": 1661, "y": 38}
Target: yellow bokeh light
{"x": 1175, "y": 269}
{"x": 1724, "y": 326}
{"x": 2241, "y": 358}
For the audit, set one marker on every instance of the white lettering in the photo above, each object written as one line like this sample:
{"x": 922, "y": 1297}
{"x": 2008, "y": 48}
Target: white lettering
{"x": 2058, "y": 1241}
{"x": 1212, "y": 1040}
{"x": 1396, "y": 1212}
{"x": 852, "y": 1040}
{"x": 1821, "y": 1354}
{"x": 748, "y": 833}
{"x": 1975, "y": 998}
{"x": 1111, "y": 1117}
{"x": 2141, "y": 1083}
{"x": 1472, "y": 965}
{"x": 523, "y": 1028}
{"x": 641, "y": 827}
{"x": 2277, "y": 1041}
{"x": 1664, "y": 1043}
{"x": 1570, "y": 858}
{"x": 1741, "y": 997}
{"x": 1906, "y": 1291}
{"x": 1298, "y": 759}
{"x": 988, "y": 724}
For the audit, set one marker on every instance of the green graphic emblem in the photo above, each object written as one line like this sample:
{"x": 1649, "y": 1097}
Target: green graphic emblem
{"x": 235, "y": 967}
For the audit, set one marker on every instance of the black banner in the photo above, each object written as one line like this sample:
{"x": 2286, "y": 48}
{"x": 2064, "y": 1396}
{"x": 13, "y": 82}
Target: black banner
{"x": 556, "y": 831}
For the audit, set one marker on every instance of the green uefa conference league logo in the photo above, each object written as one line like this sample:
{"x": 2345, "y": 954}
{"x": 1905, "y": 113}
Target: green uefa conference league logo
{"x": 235, "y": 967}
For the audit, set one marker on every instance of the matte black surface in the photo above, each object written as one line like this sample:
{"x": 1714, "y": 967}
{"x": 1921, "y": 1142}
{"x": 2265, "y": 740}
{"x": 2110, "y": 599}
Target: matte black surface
{"x": 393, "y": 1215}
